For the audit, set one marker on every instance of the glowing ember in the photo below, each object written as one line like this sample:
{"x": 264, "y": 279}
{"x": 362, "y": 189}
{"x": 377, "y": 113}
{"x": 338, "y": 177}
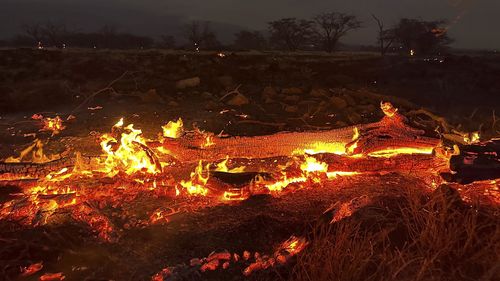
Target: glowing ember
{"x": 389, "y": 152}
{"x": 222, "y": 167}
{"x": 208, "y": 141}
{"x": 53, "y": 124}
{"x": 388, "y": 109}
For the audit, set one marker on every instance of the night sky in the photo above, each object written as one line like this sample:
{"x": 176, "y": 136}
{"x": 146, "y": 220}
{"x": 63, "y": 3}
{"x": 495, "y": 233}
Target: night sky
{"x": 474, "y": 23}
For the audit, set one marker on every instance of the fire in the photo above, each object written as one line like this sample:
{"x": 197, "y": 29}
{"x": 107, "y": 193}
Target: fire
{"x": 33, "y": 153}
{"x": 472, "y": 138}
{"x": 173, "y": 129}
{"x": 198, "y": 180}
{"x": 222, "y": 167}
{"x": 311, "y": 165}
{"x": 321, "y": 147}
{"x": 128, "y": 152}
{"x": 53, "y": 124}
{"x": 391, "y": 152}
{"x": 388, "y": 109}
{"x": 208, "y": 141}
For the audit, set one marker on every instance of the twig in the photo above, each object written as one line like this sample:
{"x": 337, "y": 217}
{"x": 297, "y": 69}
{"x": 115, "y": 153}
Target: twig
{"x": 235, "y": 91}
{"x": 109, "y": 87}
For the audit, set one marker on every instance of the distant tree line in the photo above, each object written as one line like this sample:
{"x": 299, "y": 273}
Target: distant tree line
{"x": 322, "y": 32}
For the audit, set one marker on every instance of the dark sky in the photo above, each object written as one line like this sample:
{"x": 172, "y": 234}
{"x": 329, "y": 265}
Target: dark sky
{"x": 475, "y": 23}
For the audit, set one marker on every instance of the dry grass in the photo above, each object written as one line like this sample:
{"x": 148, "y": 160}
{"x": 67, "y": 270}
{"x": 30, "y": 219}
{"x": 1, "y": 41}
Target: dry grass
{"x": 415, "y": 237}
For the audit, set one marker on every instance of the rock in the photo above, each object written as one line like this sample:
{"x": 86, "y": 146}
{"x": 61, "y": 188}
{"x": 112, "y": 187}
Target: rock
{"x": 308, "y": 103}
{"x": 354, "y": 117}
{"x": 291, "y": 108}
{"x": 349, "y": 99}
{"x": 268, "y": 92}
{"x": 292, "y": 91}
{"x": 151, "y": 96}
{"x": 269, "y": 100}
{"x": 338, "y": 103}
{"x": 319, "y": 93}
{"x": 173, "y": 104}
{"x": 341, "y": 79}
{"x": 211, "y": 105}
{"x": 238, "y": 100}
{"x": 207, "y": 95}
{"x": 188, "y": 83}
{"x": 292, "y": 99}
{"x": 226, "y": 81}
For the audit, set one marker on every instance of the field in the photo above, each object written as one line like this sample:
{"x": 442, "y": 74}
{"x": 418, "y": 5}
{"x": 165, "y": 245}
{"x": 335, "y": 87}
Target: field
{"x": 398, "y": 220}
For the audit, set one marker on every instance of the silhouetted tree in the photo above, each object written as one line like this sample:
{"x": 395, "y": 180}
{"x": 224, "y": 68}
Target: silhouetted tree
{"x": 290, "y": 33}
{"x": 423, "y": 37}
{"x": 108, "y": 36}
{"x": 330, "y": 27}
{"x": 385, "y": 36}
{"x": 200, "y": 35}
{"x": 53, "y": 33}
{"x": 249, "y": 40}
{"x": 34, "y": 31}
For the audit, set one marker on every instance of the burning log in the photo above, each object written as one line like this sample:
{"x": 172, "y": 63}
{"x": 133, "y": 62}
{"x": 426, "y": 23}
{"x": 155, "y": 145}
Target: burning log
{"x": 390, "y": 135}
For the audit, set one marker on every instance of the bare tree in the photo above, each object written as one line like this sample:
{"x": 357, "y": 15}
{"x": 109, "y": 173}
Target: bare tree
{"x": 34, "y": 31}
{"x": 330, "y": 27}
{"x": 421, "y": 37}
{"x": 249, "y": 40}
{"x": 54, "y": 33}
{"x": 385, "y": 36}
{"x": 200, "y": 35}
{"x": 290, "y": 33}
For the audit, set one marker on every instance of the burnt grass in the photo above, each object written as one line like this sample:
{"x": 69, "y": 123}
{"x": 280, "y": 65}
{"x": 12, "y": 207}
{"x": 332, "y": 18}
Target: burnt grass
{"x": 407, "y": 233}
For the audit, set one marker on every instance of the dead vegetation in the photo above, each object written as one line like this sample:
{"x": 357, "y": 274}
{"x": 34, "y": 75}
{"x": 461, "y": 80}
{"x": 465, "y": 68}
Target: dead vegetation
{"x": 415, "y": 237}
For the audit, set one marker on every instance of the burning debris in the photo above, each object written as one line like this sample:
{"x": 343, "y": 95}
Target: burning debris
{"x": 200, "y": 169}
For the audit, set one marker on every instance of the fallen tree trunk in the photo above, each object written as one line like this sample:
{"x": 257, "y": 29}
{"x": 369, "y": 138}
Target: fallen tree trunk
{"x": 391, "y": 133}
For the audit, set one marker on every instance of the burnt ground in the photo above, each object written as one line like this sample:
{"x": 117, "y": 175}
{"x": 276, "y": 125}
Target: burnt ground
{"x": 281, "y": 92}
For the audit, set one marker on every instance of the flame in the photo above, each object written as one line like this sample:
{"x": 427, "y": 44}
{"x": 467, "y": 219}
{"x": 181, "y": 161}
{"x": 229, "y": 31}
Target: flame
{"x": 222, "y": 167}
{"x": 322, "y": 147}
{"x": 35, "y": 150}
{"x": 391, "y": 152}
{"x": 472, "y": 138}
{"x": 311, "y": 165}
{"x": 53, "y": 124}
{"x": 208, "y": 141}
{"x": 173, "y": 129}
{"x": 199, "y": 178}
{"x": 127, "y": 153}
{"x": 388, "y": 109}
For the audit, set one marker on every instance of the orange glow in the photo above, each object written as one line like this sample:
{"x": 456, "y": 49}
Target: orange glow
{"x": 127, "y": 153}
{"x": 391, "y": 152}
{"x": 173, "y": 129}
{"x": 311, "y": 165}
{"x": 199, "y": 178}
{"x": 33, "y": 153}
{"x": 53, "y": 124}
{"x": 208, "y": 141}
{"x": 222, "y": 167}
{"x": 388, "y": 109}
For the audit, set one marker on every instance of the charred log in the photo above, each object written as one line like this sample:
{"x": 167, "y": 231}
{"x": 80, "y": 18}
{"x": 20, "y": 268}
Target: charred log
{"x": 475, "y": 162}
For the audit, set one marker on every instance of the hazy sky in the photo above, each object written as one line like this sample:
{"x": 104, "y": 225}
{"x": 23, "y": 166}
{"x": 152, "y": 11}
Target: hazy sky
{"x": 474, "y": 23}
